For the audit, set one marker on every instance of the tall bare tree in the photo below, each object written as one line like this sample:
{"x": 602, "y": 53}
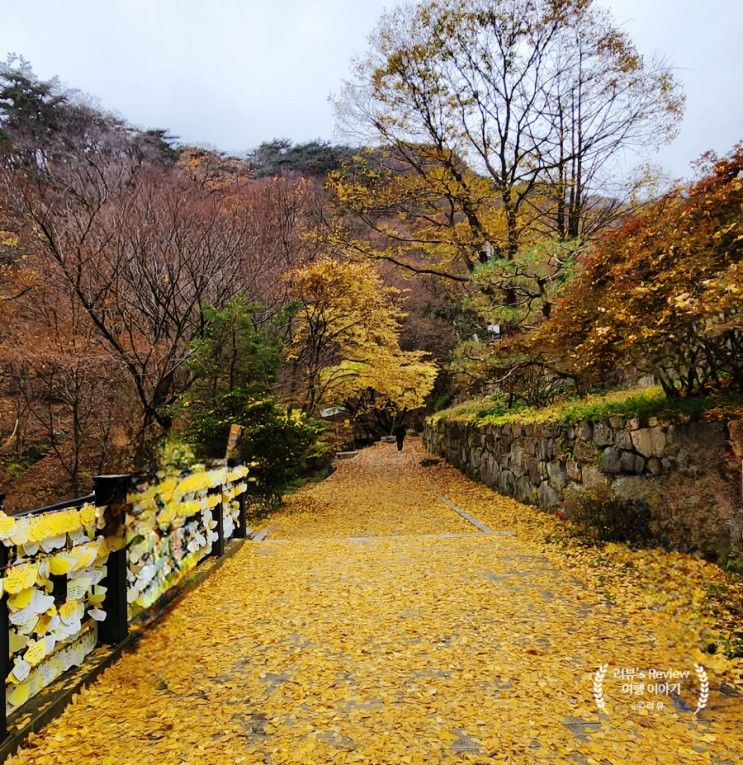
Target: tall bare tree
{"x": 498, "y": 121}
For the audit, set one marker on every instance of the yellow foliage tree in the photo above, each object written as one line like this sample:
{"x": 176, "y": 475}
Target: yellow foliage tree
{"x": 345, "y": 350}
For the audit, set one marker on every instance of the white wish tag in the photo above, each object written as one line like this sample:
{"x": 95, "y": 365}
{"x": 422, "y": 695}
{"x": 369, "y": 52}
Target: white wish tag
{"x": 23, "y": 616}
{"x": 71, "y": 611}
{"x": 76, "y": 588}
{"x": 21, "y": 668}
{"x": 27, "y": 627}
{"x": 41, "y": 602}
{"x": 78, "y": 536}
{"x": 96, "y": 574}
{"x": 82, "y": 579}
{"x": 75, "y": 626}
{"x": 53, "y": 543}
{"x": 48, "y": 672}
{"x": 62, "y": 632}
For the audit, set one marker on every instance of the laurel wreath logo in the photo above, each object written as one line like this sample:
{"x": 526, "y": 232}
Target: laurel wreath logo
{"x": 598, "y": 687}
{"x": 703, "y": 688}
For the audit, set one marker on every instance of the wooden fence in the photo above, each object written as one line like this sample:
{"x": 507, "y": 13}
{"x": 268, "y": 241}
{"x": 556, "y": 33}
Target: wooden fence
{"x": 76, "y": 573}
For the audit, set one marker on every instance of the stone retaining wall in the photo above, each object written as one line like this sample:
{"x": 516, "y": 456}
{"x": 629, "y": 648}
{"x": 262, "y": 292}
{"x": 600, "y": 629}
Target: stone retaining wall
{"x": 689, "y": 474}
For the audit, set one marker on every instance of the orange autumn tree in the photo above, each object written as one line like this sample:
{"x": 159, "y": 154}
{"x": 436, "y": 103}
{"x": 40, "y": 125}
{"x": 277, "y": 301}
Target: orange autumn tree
{"x": 662, "y": 293}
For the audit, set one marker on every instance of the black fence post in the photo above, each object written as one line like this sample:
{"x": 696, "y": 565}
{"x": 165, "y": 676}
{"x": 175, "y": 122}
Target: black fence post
{"x": 59, "y": 587}
{"x": 218, "y": 516}
{"x": 111, "y": 491}
{"x": 241, "y": 528}
{"x": 4, "y": 646}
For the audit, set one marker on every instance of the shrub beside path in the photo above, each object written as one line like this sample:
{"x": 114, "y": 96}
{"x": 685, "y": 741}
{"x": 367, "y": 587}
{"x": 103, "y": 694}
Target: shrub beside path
{"x": 376, "y": 625}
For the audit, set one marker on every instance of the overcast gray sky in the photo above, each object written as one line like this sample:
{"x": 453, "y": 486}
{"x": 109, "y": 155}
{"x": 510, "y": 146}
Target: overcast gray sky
{"x": 233, "y": 73}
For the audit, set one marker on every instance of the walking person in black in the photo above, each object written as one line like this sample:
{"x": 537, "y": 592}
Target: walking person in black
{"x": 400, "y": 436}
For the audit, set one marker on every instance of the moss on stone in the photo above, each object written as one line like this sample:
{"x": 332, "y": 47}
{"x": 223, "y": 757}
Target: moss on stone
{"x": 641, "y": 404}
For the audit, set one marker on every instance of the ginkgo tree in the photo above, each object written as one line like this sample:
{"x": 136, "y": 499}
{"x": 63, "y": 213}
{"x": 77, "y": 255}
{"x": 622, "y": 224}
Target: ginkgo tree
{"x": 344, "y": 348}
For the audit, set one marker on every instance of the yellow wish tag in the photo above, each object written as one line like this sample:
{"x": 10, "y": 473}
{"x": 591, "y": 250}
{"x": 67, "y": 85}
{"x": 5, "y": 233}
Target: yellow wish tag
{"x": 35, "y": 652}
{"x": 39, "y": 529}
{"x": 7, "y": 524}
{"x": 87, "y": 515}
{"x": 19, "y": 695}
{"x": 84, "y": 556}
{"x": 21, "y": 600}
{"x": 167, "y": 514}
{"x": 18, "y": 578}
{"x": 68, "y": 610}
{"x": 43, "y": 623}
{"x": 60, "y": 564}
{"x": 17, "y": 642}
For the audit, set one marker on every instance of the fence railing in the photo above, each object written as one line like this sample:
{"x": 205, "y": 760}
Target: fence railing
{"x": 74, "y": 574}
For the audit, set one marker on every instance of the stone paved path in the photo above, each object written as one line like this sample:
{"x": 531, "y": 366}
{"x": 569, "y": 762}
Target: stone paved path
{"x": 375, "y": 625}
